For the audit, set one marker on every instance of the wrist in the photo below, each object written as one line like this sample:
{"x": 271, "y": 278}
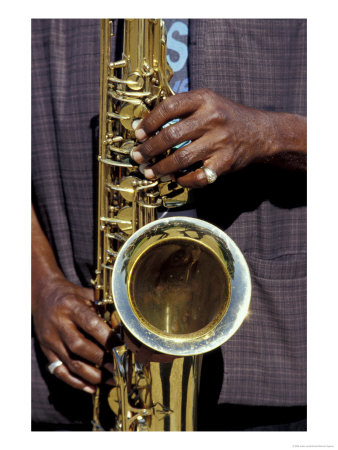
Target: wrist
{"x": 42, "y": 282}
{"x": 288, "y": 133}
{"x": 45, "y": 270}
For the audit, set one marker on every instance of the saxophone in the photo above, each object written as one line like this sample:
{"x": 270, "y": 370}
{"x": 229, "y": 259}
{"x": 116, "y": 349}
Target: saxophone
{"x": 177, "y": 285}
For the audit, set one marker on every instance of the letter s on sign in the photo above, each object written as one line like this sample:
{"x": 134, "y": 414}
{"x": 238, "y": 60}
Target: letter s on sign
{"x": 177, "y": 46}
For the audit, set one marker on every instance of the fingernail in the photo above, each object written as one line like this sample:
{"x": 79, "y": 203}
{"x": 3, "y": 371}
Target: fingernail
{"x": 89, "y": 390}
{"x": 140, "y": 134}
{"x": 148, "y": 173}
{"x": 137, "y": 156}
{"x": 136, "y": 123}
{"x": 142, "y": 167}
{"x": 166, "y": 178}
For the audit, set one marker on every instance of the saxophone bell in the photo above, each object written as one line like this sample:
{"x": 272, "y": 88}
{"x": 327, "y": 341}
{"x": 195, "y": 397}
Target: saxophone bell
{"x": 181, "y": 286}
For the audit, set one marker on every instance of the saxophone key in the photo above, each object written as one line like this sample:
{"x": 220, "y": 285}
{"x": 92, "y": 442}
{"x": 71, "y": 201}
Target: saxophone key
{"x": 117, "y": 64}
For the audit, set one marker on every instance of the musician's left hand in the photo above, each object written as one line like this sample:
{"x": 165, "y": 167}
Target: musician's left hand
{"x": 226, "y": 136}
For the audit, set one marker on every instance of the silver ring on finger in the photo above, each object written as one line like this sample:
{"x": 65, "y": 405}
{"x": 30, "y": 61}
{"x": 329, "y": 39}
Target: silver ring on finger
{"x": 52, "y": 366}
{"x": 210, "y": 174}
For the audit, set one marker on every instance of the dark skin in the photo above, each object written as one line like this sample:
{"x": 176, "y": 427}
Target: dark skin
{"x": 225, "y": 136}
{"x": 61, "y": 312}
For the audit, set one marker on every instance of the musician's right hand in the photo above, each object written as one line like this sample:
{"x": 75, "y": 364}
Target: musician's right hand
{"x": 69, "y": 329}
{"x": 65, "y": 321}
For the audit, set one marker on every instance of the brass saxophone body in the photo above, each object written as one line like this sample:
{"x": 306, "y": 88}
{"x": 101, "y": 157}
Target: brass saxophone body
{"x": 178, "y": 285}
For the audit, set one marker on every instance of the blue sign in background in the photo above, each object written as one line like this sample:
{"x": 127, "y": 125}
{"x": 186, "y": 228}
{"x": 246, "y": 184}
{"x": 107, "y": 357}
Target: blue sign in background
{"x": 177, "y": 53}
